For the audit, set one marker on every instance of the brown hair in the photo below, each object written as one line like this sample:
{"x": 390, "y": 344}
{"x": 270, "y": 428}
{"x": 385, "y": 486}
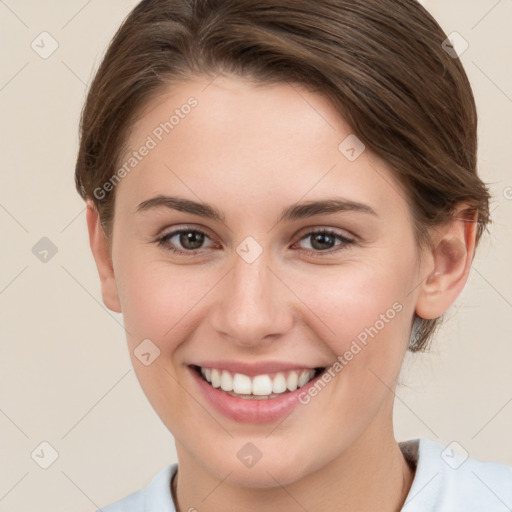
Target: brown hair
{"x": 380, "y": 62}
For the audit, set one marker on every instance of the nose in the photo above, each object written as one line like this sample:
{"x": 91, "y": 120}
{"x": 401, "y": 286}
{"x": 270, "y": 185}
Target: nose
{"x": 255, "y": 305}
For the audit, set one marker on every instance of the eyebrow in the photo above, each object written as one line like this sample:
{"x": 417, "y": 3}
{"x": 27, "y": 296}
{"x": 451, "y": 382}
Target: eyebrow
{"x": 296, "y": 211}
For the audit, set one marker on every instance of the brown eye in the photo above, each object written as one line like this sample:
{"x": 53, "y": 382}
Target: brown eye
{"x": 191, "y": 240}
{"x": 188, "y": 241}
{"x": 322, "y": 241}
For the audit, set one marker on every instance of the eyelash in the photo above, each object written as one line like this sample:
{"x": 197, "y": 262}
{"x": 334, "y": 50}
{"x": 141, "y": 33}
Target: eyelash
{"x": 346, "y": 242}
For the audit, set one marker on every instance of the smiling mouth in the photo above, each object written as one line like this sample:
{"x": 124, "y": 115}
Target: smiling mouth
{"x": 258, "y": 387}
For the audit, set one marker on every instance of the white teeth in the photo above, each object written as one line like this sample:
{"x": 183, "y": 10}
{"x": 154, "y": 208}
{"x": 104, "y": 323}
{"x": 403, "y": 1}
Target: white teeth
{"x": 291, "y": 381}
{"x": 305, "y": 377}
{"x": 242, "y": 384}
{"x": 226, "y": 381}
{"x": 215, "y": 378}
{"x": 260, "y": 385}
{"x": 279, "y": 384}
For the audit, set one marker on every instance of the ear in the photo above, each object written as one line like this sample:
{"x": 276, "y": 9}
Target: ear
{"x": 449, "y": 260}
{"x": 103, "y": 259}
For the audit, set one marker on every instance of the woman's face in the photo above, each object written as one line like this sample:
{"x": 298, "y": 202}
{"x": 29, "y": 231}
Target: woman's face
{"x": 255, "y": 292}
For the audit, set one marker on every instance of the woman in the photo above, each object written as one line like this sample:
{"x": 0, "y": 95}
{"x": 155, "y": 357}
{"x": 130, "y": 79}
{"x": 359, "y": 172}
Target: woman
{"x": 282, "y": 199}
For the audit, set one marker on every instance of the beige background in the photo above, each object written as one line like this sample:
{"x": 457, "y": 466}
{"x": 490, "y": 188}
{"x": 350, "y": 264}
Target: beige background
{"x": 65, "y": 373}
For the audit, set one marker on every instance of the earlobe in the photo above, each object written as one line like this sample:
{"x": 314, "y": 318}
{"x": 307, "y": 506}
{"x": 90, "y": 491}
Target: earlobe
{"x": 451, "y": 256}
{"x": 100, "y": 250}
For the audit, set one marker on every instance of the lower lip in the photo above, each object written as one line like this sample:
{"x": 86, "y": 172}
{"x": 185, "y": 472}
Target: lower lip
{"x": 265, "y": 410}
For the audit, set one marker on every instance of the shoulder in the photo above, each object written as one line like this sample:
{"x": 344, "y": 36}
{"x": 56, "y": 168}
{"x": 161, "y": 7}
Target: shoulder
{"x": 155, "y": 497}
{"x": 446, "y": 481}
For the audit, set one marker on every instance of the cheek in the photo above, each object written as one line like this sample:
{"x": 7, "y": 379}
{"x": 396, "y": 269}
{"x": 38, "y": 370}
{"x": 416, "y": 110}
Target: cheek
{"x": 164, "y": 303}
{"x": 156, "y": 298}
{"x": 357, "y": 302}
{"x": 157, "y": 301}
{"x": 147, "y": 304}
{"x": 363, "y": 314}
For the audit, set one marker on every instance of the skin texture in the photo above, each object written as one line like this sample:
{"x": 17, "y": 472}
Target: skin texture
{"x": 251, "y": 151}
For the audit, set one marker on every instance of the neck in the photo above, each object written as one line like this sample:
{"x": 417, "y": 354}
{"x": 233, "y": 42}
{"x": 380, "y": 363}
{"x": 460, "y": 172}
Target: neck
{"x": 371, "y": 475}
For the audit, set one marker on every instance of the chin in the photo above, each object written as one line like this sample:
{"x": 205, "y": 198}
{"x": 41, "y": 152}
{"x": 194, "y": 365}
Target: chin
{"x": 273, "y": 469}
{"x": 265, "y": 475}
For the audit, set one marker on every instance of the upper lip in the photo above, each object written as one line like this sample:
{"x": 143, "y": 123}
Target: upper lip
{"x": 253, "y": 369}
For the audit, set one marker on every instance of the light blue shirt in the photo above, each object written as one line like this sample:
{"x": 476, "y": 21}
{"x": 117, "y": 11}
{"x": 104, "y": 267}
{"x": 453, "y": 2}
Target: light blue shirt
{"x": 444, "y": 482}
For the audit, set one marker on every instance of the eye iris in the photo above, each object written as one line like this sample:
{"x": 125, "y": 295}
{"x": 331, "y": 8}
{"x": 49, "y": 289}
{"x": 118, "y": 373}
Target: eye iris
{"x": 323, "y": 238}
{"x": 191, "y": 237}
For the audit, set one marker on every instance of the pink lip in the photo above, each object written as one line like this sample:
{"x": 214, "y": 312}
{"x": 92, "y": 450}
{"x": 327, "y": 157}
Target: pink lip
{"x": 253, "y": 369}
{"x": 250, "y": 411}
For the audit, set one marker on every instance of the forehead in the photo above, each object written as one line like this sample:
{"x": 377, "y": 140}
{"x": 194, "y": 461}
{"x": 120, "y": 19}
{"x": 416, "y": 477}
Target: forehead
{"x": 256, "y": 144}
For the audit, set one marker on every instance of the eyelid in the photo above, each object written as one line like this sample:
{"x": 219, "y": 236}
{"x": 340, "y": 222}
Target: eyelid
{"x": 185, "y": 227}
{"x": 305, "y": 231}
{"x": 322, "y": 229}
